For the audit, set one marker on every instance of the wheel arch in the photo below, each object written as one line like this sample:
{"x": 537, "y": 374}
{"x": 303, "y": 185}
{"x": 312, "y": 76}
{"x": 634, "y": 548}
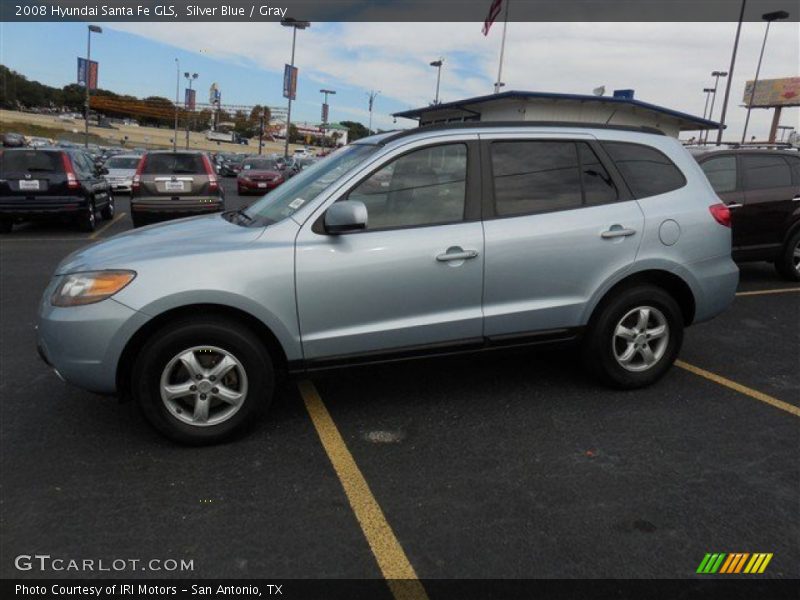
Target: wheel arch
{"x": 671, "y": 283}
{"x": 140, "y": 337}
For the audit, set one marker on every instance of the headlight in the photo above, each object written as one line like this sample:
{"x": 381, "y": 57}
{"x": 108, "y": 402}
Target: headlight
{"x": 90, "y": 287}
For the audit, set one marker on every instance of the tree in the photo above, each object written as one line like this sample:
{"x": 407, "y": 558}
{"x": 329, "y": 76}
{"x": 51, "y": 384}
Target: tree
{"x": 355, "y": 130}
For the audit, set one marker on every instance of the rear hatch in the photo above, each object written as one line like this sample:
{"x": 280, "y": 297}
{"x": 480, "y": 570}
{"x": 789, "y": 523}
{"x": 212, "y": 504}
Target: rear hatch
{"x": 174, "y": 175}
{"x": 33, "y": 173}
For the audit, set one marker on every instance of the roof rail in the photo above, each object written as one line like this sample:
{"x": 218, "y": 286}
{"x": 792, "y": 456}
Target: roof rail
{"x": 493, "y": 124}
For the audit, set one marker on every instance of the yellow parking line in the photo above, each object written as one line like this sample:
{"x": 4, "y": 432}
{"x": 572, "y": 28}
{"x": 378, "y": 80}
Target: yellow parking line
{"x": 765, "y": 292}
{"x": 392, "y": 560}
{"x": 107, "y": 225}
{"x": 738, "y": 387}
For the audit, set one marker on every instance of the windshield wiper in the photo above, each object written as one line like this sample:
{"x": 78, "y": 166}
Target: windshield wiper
{"x": 241, "y": 213}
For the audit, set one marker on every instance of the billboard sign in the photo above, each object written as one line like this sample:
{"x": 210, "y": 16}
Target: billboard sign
{"x": 92, "y": 75}
{"x": 325, "y": 112}
{"x": 773, "y": 92}
{"x": 289, "y": 82}
{"x": 189, "y": 99}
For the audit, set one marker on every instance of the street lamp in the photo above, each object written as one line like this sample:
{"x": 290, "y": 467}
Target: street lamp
{"x": 177, "y": 92}
{"x": 372, "y": 95}
{"x": 716, "y": 75}
{"x": 295, "y": 25}
{"x": 190, "y": 78}
{"x": 438, "y": 65}
{"x": 91, "y": 29}
{"x": 707, "y": 92}
{"x": 769, "y": 18}
{"x": 730, "y": 74}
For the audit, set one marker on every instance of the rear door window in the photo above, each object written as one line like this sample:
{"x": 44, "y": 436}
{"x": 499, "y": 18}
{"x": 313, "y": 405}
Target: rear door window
{"x": 647, "y": 171}
{"x": 721, "y": 173}
{"x": 763, "y": 172}
{"x": 33, "y": 161}
{"x": 174, "y": 164}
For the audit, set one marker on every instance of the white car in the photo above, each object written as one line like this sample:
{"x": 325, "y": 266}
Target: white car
{"x": 121, "y": 169}
{"x": 302, "y": 153}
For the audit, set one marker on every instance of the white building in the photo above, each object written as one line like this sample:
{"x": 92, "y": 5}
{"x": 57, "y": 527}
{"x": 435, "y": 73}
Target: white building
{"x": 549, "y": 107}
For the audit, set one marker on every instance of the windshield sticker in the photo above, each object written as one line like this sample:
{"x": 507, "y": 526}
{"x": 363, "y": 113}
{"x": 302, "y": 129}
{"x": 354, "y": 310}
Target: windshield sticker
{"x": 296, "y": 203}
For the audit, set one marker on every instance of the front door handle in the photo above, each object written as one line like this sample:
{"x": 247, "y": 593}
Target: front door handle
{"x": 796, "y": 198}
{"x": 456, "y": 253}
{"x": 733, "y": 205}
{"x": 617, "y": 231}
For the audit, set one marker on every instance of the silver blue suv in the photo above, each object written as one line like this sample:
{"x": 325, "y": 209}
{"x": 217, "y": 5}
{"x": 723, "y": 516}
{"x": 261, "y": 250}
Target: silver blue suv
{"x": 427, "y": 241}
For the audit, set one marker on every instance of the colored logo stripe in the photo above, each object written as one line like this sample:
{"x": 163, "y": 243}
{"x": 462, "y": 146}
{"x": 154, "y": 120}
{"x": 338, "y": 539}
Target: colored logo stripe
{"x": 723, "y": 563}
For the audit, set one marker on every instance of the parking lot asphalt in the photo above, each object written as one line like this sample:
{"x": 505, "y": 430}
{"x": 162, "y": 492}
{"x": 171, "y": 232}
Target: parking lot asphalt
{"x": 500, "y": 466}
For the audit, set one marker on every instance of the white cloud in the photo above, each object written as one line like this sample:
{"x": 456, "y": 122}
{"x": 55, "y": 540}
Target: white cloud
{"x": 666, "y": 63}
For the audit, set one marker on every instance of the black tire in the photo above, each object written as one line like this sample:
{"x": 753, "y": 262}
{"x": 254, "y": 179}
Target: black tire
{"x": 109, "y": 209}
{"x": 600, "y": 346}
{"x": 786, "y": 265}
{"x": 6, "y": 225}
{"x": 87, "y": 221}
{"x": 213, "y": 332}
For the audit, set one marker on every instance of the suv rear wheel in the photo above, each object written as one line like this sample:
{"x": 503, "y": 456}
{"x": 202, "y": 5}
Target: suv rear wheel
{"x": 88, "y": 219}
{"x": 198, "y": 381}
{"x": 634, "y": 337}
{"x": 788, "y": 264}
{"x": 108, "y": 210}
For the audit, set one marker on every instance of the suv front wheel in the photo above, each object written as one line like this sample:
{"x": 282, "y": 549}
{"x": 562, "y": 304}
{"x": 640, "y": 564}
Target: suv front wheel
{"x": 788, "y": 263}
{"x": 635, "y": 337}
{"x": 198, "y": 381}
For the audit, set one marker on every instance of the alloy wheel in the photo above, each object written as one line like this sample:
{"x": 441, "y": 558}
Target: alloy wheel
{"x": 203, "y": 386}
{"x": 640, "y": 338}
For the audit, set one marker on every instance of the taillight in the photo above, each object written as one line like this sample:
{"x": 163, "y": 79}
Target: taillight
{"x": 721, "y": 214}
{"x": 72, "y": 181}
{"x": 213, "y": 184}
{"x": 136, "y": 182}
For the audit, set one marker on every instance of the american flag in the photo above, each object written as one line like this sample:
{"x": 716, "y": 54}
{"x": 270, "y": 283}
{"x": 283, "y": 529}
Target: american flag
{"x": 491, "y": 17}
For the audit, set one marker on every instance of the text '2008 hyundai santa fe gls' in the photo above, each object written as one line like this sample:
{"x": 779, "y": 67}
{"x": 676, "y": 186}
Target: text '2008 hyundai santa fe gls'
{"x": 427, "y": 241}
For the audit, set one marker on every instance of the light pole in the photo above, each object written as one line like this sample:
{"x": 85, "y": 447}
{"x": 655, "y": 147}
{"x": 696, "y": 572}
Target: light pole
{"x": 325, "y": 113}
{"x": 730, "y": 75}
{"x": 372, "y": 95}
{"x": 91, "y": 29}
{"x": 708, "y": 92}
{"x": 295, "y": 25}
{"x": 438, "y": 65}
{"x": 769, "y": 18}
{"x": 716, "y": 75}
{"x": 190, "y": 78}
{"x": 177, "y": 92}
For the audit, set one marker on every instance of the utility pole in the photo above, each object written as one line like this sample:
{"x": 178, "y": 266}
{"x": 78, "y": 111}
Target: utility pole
{"x": 438, "y": 65}
{"x": 191, "y": 79}
{"x": 87, "y": 77}
{"x": 730, "y": 75}
{"x": 295, "y": 25}
{"x": 372, "y": 95}
{"x": 177, "y": 93}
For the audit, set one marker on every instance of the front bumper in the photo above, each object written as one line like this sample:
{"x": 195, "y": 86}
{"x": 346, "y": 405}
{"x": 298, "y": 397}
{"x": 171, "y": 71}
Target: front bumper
{"x": 83, "y": 344}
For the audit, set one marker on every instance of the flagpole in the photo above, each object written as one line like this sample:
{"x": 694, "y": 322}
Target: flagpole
{"x": 499, "y": 83}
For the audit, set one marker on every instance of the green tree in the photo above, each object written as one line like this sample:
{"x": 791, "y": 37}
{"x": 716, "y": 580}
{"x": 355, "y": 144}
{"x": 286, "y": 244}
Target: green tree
{"x": 355, "y": 130}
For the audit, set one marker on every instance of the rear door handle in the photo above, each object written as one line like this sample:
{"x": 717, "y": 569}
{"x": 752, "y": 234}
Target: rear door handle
{"x": 617, "y": 231}
{"x": 733, "y": 205}
{"x": 458, "y": 255}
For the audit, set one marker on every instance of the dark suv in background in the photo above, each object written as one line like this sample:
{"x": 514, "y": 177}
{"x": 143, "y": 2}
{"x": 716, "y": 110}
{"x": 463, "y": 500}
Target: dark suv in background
{"x": 170, "y": 185}
{"x": 38, "y": 183}
{"x": 762, "y": 191}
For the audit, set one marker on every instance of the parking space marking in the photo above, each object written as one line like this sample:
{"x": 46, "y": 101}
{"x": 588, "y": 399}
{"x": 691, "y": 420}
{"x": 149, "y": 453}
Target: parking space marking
{"x": 738, "y": 387}
{"x": 392, "y": 561}
{"x": 765, "y": 292}
{"x": 107, "y": 225}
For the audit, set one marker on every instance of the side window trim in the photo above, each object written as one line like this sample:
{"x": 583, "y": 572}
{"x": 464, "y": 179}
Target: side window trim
{"x": 489, "y": 205}
{"x": 472, "y": 192}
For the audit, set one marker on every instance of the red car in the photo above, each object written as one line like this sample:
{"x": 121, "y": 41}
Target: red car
{"x": 258, "y": 175}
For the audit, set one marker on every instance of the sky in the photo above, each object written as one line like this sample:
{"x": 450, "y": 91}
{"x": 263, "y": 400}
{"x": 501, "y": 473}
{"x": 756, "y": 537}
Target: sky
{"x": 667, "y": 64}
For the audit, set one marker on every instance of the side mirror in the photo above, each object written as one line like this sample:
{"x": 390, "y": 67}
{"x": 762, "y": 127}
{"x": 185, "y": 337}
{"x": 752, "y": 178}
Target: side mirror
{"x": 344, "y": 216}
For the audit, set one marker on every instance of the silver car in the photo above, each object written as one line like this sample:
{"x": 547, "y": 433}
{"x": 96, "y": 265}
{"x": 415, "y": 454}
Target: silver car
{"x": 427, "y": 241}
{"x": 121, "y": 169}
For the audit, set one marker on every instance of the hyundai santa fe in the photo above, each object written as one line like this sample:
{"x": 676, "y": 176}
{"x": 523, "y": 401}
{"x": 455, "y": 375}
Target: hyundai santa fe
{"x": 435, "y": 240}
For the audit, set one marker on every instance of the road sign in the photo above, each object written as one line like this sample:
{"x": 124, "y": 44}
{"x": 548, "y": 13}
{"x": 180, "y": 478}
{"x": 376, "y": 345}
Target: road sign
{"x": 289, "y": 82}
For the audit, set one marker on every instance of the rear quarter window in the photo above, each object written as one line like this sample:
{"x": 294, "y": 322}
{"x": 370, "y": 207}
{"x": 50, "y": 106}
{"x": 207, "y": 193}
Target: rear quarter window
{"x": 174, "y": 164}
{"x": 763, "y": 172}
{"x": 31, "y": 161}
{"x": 647, "y": 171}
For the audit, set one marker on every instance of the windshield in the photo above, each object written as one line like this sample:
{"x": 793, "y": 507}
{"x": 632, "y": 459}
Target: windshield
{"x": 304, "y": 187}
{"x": 263, "y": 164}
